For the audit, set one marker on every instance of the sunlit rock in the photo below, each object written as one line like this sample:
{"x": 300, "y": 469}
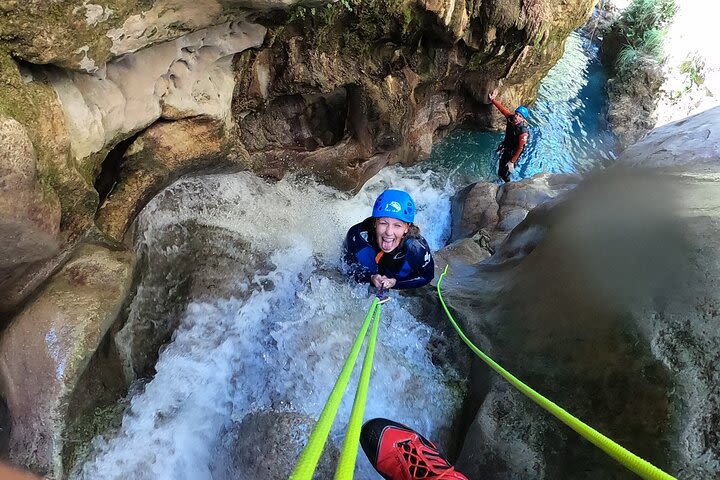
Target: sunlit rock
{"x": 693, "y": 141}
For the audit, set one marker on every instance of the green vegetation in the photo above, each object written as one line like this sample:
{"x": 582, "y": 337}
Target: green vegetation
{"x": 80, "y": 432}
{"x": 643, "y": 26}
{"x": 355, "y": 26}
{"x": 694, "y": 68}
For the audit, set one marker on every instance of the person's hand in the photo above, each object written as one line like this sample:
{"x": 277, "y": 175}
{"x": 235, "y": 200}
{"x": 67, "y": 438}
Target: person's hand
{"x": 382, "y": 282}
{"x": 511, "y": 167}
{"x": 7, "y": 473}
{"x": 492, "y": 94}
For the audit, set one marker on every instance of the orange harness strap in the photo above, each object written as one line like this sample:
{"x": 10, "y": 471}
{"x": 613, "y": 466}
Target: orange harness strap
{"x": 379, "y": 256}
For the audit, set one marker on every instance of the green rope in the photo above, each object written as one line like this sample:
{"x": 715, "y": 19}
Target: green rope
{"x": 308, "y": 460}
{"x": 628, "y": 459}
{"x": 346, "y": 465}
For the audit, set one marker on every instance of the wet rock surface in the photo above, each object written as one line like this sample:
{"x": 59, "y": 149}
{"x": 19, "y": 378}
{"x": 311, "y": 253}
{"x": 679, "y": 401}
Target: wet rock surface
{"x": 29, "y": 212}
{"x": 494, "y": 211}
{"x": 207, "y": 263}
{"x": 158, "y": 157}
{"x": 606, "y": 302}
{"x": 283, "y": 435}
{"x": 46, "y": 349}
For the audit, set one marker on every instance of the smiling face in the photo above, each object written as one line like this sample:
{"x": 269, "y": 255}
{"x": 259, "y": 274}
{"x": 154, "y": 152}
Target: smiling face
{"x": 390, "y": 232}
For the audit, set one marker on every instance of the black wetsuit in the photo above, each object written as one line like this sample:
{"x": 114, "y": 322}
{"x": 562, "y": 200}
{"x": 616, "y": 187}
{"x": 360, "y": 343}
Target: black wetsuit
{"x": 516, "y": 136}
{"x": 410, "y": 264}
{"x": 510, "y": 145}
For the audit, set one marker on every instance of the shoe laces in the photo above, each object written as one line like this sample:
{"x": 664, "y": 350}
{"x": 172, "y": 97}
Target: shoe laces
{"x": 424, "y": 461}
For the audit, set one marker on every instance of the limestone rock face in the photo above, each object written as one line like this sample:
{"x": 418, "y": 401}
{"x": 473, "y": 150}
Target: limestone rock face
{"x": 115, "y": 69}
{"x": 496, "y": 211}
{"x": 399, "y": 73}
{"x": 605, "y": 302}
{"x": 692, "y": 141}
{"x": 79, "y": 35}
{"x": 29, "y": 212}
{"x": 186, "y": 77}
{"x": 158, "y": 157}
{"x": 46, "y": 349}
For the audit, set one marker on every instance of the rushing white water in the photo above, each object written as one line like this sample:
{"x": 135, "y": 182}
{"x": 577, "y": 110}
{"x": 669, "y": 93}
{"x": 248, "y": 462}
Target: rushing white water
{"x": 283, "y": 347}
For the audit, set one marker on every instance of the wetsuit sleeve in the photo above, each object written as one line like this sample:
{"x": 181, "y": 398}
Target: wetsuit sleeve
{"x": 522, "y": 141}
{"x": 422, "y": 263}
{"x": 506, "y": 113}
{"x": 358, "y": 255}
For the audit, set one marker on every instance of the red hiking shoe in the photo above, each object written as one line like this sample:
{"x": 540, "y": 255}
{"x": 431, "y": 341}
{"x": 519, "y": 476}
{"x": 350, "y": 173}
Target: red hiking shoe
{"x": 399, "y": 453}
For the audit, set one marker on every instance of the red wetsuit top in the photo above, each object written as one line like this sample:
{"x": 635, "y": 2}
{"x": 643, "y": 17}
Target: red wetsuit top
{"x": 516, "y": 135}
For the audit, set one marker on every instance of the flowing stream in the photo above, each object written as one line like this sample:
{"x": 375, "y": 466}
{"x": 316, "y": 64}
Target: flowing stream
{"x": 278, "y": 345}
{"x": 280, "y": 348}
{"x": 568, "y": 131}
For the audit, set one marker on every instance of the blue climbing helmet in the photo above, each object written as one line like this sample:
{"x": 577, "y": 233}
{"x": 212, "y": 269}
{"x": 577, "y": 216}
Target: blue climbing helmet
{"x": 395, "y": 204}
{"x": 523, "y": 110}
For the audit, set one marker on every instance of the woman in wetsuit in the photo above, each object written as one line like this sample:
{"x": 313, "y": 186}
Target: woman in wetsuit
{"x": 386, "y": 249}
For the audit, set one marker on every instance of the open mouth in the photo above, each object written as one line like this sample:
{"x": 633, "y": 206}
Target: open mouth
{"x": 387, "y": 243}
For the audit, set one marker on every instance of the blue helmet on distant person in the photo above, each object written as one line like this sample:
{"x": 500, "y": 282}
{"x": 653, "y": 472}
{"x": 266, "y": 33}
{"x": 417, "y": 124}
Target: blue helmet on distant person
{"x": 523, "y": 110}
{"x": 395, "y": 204}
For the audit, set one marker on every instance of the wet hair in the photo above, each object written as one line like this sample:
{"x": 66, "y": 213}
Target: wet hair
{"x": 413, "y": 231}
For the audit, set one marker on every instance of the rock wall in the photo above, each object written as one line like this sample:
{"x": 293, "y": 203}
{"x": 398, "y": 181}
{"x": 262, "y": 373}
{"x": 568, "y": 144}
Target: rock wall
{"x": 103, "y": 105}
{"x": 605, "y": 301}
{"x": 339, "y": 90}
{"x": 682, "y": 80}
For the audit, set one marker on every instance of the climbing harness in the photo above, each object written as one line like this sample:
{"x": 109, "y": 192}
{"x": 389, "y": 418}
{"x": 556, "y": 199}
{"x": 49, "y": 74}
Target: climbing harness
{"x": 310, "y": 456}
{"x": 625, "y": 457}
{"x": 382, "y": 296}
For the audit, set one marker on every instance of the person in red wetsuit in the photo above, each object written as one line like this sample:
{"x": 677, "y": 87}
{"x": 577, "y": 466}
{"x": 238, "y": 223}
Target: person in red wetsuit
{"x": 516, "y": 137}
{"x": 400, "y": 453}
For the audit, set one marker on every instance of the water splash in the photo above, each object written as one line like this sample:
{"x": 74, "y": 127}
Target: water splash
{"x": 282, "y": 347}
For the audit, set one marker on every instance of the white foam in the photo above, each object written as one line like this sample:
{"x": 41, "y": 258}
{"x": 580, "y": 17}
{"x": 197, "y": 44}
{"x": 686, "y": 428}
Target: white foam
{"x": 281, "y": 348}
